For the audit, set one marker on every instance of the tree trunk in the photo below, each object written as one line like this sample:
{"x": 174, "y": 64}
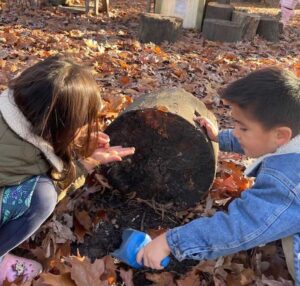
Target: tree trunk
{"x": 174, "y": 159}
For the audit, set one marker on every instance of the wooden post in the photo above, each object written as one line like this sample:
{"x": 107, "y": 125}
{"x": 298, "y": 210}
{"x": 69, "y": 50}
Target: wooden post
{"x": 105, "y": 6}
{"x": 174, "y": 159}
{"x": 87, "y": 6}
{"x": 96, "y": 7}
{"x": 148, "y": 10}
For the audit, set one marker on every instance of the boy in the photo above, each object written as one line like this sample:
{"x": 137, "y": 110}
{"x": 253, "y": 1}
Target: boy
{"x": 266, "y": 110}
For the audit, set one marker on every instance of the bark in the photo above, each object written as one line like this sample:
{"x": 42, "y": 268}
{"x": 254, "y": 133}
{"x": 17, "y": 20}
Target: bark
{"x": 158, "y": 28}
{"x": 222, "y": 30}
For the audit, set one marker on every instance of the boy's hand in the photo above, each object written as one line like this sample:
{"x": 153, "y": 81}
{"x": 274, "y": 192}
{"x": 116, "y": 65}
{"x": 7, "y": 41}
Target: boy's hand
{"x": 212, "y": 131}
{"x": 154, "y": 252}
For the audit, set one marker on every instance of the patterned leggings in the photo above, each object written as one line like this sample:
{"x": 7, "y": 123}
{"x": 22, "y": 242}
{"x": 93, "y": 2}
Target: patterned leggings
{"x": 17, "y": 229}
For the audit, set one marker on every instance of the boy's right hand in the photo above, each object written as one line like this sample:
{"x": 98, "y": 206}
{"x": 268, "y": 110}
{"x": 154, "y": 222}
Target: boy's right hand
{"x": 212, "y": 131}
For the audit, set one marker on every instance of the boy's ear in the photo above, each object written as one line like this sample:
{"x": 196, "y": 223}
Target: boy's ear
{"x": 283, "y": 135}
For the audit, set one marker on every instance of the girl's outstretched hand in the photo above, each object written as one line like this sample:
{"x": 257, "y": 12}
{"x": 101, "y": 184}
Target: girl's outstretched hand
{"x": 212, "y": 131}
{"x": 104, "y": 153}
{"x": 154, "y": 252}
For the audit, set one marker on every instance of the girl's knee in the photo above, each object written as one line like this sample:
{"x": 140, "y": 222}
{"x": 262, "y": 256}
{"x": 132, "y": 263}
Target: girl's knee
{"x": 44, "y": 197}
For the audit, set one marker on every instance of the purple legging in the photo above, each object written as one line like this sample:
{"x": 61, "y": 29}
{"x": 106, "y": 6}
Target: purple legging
{"x": 43, "y": 202}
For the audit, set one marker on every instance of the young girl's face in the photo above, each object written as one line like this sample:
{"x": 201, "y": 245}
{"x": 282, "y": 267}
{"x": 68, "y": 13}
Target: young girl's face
{"x": 253, "y": 138}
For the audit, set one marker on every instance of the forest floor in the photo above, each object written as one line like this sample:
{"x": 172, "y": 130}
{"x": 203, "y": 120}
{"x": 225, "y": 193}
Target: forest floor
{"x": 75, "y": 243}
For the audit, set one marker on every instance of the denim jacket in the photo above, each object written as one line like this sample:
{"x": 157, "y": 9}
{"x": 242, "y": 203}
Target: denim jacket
{"x": 269, "y": 211}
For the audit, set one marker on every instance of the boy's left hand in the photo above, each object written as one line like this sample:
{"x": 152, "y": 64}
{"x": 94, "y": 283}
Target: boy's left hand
{"x": 154, "y": 252}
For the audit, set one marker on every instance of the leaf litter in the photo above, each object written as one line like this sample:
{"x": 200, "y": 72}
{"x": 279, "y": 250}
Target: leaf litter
{"x": 126, "y": 69}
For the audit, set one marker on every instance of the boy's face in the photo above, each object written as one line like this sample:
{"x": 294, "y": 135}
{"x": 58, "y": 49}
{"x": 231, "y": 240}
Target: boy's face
{"x": 253, "y": 138}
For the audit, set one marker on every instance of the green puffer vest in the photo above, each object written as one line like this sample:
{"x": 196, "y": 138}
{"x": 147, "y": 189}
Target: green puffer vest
{"x": 19, "y": 159}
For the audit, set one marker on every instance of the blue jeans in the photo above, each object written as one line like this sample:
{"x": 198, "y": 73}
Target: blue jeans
{"x": 16, "y": 231}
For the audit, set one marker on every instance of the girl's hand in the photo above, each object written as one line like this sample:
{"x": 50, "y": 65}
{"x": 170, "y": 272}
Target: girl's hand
{"x": 102, "y": 139}
{"x": 212, "y": 131}
{"x": 154, "y": 252}
{"x": 106, "y": 155}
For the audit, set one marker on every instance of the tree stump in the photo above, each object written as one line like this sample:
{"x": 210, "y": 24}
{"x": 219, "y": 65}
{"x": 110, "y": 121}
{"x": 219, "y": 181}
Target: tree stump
{"x": 104, "y": 6}
{"x": 269, "y": 28}
{"x": 158, "y": 28}
{"x": 216, "y": 10}
{"x": 227, "y": 2}
{"x": 174, "y": 159}
{"x": 222, "y": 30}
{"x": 248, "y": 21}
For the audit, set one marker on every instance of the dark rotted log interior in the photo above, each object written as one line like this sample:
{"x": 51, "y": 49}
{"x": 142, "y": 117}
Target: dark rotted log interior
{"x": 174, "y": 159}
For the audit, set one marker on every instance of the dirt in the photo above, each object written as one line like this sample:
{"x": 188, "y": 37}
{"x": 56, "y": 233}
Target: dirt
{"x": 121, "y": 213}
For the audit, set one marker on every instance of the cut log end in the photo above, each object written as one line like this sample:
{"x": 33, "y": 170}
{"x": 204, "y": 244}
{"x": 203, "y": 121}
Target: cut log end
{"x": 174, "y": 160}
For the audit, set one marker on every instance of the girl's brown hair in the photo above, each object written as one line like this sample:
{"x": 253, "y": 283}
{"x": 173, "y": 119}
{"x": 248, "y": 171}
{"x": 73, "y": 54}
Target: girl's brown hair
{"x": 59, "y": 97}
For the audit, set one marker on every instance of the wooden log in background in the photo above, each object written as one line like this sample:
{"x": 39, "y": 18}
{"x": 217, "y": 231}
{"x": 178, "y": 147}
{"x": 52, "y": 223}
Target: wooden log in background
{"x": 249, "y": 23}
{"x": 222, "y": 30}
{"x": 269, "y": 28}
{"x": 157, "y": 28}
{"x": 174, "y": 160}
{"x": 215, "y": 10}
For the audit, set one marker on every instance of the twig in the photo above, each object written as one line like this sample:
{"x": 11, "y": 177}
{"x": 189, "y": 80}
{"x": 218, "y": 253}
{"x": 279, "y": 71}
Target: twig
{"x": 142, "y": 221}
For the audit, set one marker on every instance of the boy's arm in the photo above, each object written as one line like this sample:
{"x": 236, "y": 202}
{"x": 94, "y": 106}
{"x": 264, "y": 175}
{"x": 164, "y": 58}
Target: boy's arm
{"x": 263, "y": 214}
{"x": 228, "y": 143}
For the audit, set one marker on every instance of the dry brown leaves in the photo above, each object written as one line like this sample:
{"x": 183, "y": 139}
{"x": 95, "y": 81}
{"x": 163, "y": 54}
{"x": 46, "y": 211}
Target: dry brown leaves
{"x": 125, "y": 69}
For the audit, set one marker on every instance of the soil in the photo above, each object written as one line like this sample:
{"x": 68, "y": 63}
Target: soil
{"x": 122, "y": 213}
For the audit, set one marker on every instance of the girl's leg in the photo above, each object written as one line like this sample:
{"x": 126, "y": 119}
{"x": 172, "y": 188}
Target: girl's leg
{"x": 16, "y": 231}
{"x": 42, "y": 205}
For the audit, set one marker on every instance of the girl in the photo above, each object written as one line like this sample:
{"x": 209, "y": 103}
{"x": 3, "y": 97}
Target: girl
{"x": 287, "y": 10}
{"x": 49, "y": 138}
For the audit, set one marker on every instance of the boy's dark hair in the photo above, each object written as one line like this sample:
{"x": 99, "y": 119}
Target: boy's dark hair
{"x": 271, "y": 96}
{"x": 58, "y": 97}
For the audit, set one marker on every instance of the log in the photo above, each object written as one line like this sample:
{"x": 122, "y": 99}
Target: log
{"x": 158, "y": 28}
{"x": 216, "y": 10}
{"x": 269, "y": 28}
{"x": 174, "y": 159}
{"x": 249, "y": 23}
{"x": 222, "y": 30}
{"x": 224, "y": 2}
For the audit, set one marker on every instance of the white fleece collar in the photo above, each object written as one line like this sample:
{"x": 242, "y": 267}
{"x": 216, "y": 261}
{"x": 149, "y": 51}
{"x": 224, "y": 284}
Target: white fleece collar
{"x": 293, "y": 146}
{"x": 21, "y": 126}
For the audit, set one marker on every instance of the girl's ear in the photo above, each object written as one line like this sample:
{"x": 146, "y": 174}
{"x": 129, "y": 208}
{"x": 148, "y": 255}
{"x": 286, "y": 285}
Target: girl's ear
{"x": 283, "y": 135}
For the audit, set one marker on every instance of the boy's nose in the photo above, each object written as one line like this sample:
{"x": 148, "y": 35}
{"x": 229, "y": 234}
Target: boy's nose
{"x": 236, "y": 134}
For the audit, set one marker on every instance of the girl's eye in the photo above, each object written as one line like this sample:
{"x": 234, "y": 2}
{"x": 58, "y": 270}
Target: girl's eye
{"x": 243, "y": 129}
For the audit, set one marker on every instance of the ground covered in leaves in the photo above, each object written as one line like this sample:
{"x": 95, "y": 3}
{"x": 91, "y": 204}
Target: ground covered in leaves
{"x": 75, "y": 243}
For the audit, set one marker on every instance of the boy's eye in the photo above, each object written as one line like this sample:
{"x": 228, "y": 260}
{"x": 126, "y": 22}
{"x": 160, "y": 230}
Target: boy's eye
{"x": 243, "y": 129}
